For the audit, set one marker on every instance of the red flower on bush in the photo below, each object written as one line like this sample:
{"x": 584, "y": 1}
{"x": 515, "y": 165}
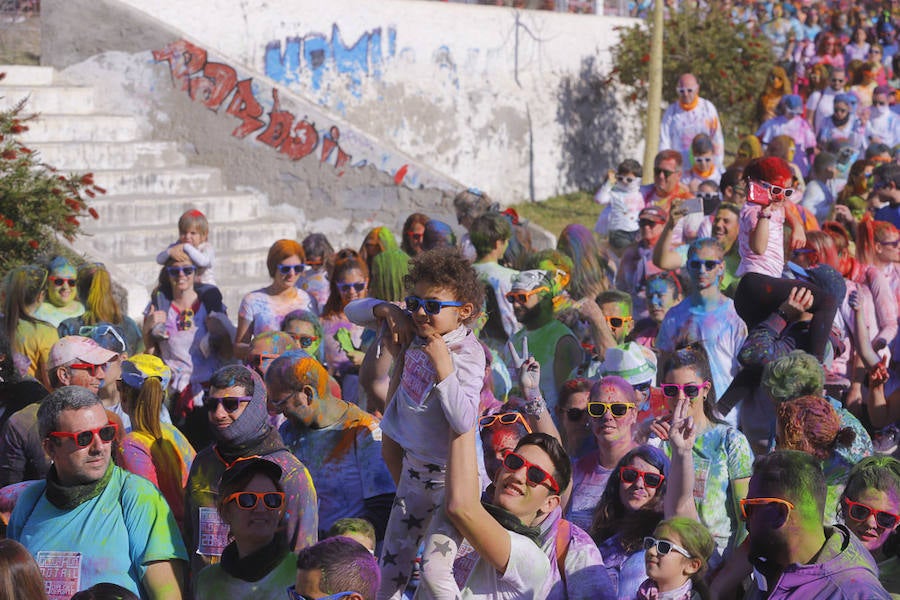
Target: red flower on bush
{"x": 93, "y": 212}
{"x": 34, "y": 244}
{"x": 8, "y": 154}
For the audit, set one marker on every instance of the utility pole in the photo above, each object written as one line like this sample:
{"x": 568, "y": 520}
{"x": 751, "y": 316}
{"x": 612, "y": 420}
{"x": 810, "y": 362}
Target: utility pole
{"x": 654, "y": 97}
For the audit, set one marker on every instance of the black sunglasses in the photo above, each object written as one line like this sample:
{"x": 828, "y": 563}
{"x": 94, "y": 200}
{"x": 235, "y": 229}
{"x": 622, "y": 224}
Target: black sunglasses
{"x": 229, "y": 403}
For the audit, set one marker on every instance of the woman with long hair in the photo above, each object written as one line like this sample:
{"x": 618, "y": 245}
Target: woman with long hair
{"x": 62, "y": 299}
{"x": 630, "y": 508}
{"x": 264, "y": 309}
{"x": 343, "y": 340}
{"x": 413, "y": 233}
{"x": 31, "y": 337}
{"x": 723, "y": 461}
{"x": 97, "y": 293}
{"x": 314, "y": 279}
{"x": 155, "y": 450}
{"x": 778, "y": 84}
{"x": 185, "y": 325}
{"x": 376, "y": 241}
{"x": 20, "y": 576}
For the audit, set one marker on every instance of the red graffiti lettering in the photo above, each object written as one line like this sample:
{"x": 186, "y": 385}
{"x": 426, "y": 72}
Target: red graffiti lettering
{"x": 184, "y": 60}
{"x": 245, "y": 107}
{"x": 303, "y": 142}
{"x": 400, "y": 174}
{"x": 279, "y": 124}
{"x": 217, "y": 82}
{"x": 330, "y": 142}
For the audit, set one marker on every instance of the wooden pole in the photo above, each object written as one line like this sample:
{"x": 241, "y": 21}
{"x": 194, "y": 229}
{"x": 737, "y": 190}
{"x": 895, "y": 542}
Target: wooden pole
{"x": 654, "y": 96}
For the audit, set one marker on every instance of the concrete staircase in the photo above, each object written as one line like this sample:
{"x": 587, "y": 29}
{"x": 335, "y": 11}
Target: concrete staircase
{"x": 149, "y": 185}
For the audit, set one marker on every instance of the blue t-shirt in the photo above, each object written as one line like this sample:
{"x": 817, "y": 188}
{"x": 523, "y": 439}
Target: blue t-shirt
{"x": 889, "y": 213}
{"x": 116, "y": 533}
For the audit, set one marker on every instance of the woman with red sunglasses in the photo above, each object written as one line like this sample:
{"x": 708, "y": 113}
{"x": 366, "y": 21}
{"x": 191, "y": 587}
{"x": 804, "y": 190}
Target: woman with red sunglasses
{"x": 62, "y": 301}
{"x": 870, "y": 508}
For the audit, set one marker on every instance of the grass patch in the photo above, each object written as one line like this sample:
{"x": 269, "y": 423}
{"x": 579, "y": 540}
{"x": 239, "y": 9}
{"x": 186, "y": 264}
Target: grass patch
{"x": 553, "y": 214}
{"x": 20, "y": 40}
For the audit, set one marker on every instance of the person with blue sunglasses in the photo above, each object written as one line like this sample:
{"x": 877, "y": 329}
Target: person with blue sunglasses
{"x": 338, "y": 567}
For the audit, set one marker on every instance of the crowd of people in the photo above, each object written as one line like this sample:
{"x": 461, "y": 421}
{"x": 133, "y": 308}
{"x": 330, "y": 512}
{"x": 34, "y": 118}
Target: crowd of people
{"x": 699, "y": 398}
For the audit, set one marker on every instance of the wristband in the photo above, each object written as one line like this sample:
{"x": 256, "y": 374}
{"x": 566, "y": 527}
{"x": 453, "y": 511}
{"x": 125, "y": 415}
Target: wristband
{"x": 762, "y": 216}
{"x": 782, "y": 314}
{"x": 534, "y": 402}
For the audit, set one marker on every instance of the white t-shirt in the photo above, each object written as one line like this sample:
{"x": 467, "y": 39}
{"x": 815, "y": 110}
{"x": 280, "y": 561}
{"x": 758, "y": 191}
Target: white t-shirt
{"x": 527, "y": 575}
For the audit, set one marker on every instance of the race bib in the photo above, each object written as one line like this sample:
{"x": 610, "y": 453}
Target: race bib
{"x": 61, "y": 572}
{"x": 418, "y": 376}
{"x": 701, "y": 475}
{"x": 213, "y": 532}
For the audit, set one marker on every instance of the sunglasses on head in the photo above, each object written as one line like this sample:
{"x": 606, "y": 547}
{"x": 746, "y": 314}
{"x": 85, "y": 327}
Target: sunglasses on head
{"x": 305, "y": 341}
{"x": 749, "y": 505}
{"x": 106, "y": 433}
{"x": 616, "y": 322}
{"x": 522, "y": 297}
{"x": 91, "y": 369}
{"x": 861, "y": 512}
{"x": 95, "y": 331}
{"x": 696, "y": 264}
{"x": 533, "y": 473}
{"x": 617, "y": 409}
{"x": 651, "y": 480}
{"x": 657, "y": 172}
{"x": 178, "y": 271}
{"x": 260, "y": 361}
{"x": 346, "y": 287}
{"x": 60, "y": 281}
{"x": 430, "y": 305}
{"x": 504, "y": 419}
{"x": 663, "y": 547}
{"x": 691, "y": 390}
{"x": 229, "y": 403}
{"x": 287, "y": 269}
{"x": 249, "y": 500}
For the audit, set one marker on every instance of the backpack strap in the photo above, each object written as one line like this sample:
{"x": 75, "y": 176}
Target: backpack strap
{"x": 562, "y": 547}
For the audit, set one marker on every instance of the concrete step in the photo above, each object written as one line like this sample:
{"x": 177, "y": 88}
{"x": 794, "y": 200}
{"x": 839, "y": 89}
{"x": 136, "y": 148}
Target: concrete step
{"x": 52, "y": 99}
{"x": 166, "y": 210}
{"x": 184, "y": 180}
{"x": 81, "y": 128}
{"x": 128, "y": 243}
{"x": 26, "y": 75}
{"x": 84, "y": 156}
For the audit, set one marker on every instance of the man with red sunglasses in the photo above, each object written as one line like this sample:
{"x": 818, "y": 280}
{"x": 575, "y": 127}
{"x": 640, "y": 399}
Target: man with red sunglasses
{"x": 73, "y": 360}
{"x": 99, "y": 521}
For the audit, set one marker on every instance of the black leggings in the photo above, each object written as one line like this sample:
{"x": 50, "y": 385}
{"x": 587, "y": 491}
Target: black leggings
{"x": 758, "y": 296}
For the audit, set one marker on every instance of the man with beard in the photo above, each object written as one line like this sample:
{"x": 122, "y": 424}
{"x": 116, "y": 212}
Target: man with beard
{"x": 553, "y": 344}
{"x": 795, "y": 556}
{"x": 706, "y": 315}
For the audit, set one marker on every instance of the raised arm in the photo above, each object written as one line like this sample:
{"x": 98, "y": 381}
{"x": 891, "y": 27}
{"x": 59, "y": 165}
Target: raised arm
{"x": 664, "y": 256}
{"x": 679, "y": 500}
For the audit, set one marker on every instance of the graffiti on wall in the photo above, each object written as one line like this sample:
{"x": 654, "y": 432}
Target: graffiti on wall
{"x": 314, "y": 55}
{"x": 217, "y": 85}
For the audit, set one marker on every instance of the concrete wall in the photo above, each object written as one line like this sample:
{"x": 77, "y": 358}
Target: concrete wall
{"x": 507, "y": 101}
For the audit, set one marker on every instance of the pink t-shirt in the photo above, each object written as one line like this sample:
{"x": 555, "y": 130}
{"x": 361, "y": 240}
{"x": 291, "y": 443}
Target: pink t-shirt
{"x": 772, "y": 261}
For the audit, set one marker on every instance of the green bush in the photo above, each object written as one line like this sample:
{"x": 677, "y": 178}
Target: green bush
{"x": 37, "y": 203}
{"x": 729, "y": 60}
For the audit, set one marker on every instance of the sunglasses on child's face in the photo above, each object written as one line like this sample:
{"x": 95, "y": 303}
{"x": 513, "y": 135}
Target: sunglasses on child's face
{"x": 663, "y": 547}
{"x": 626, "y": 178}
{"x": 346, "y": 287}
{"x": 861, "y": 512}
{"x": 249, "y": 500}
{"x": 533, "y": 473}
{"x": 776, "y": 190}
{"x": 651, "y": 480}
{"x": 106, "y": 433}
{"x": 305, "y": 341}
{"x": 61, "y": 281}
{"x": 229, "y": 403}
{"x": 618, "y": 409}
{"x": 287, "y": 269}
{"x": 430, "y": 305}
{"x": 691, "y": 390}
{"x": 176, "y": 272}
